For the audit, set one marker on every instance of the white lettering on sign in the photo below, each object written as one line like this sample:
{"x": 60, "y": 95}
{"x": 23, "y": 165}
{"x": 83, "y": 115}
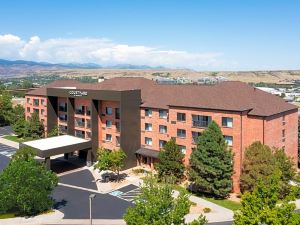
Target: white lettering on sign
{"x": 78, "y": 93}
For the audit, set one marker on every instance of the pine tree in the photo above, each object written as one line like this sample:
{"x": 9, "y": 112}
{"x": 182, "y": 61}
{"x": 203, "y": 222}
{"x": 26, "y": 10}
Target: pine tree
{"x": 34, "y": 128}
{"x": 211, "y": 165}
{"x": 170, "y": 164}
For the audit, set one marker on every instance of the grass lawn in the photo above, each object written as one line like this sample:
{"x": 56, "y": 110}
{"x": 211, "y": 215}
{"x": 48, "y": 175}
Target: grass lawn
{"x": 7, "y": 215}
{"x": 16, "y": 139}
{"x": 226, "y": 203}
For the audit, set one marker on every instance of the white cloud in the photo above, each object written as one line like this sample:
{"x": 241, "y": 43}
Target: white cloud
{"x": 102, "y": 51}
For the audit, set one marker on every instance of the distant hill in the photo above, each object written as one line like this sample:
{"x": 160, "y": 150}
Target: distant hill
{"x": 21, "y": 68}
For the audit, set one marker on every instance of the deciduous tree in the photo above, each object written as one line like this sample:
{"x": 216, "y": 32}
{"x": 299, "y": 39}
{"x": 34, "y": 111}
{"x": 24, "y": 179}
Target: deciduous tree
{"x": 157, "y": 205}
{"x": 34, "y": 128}
{"x": 26, "y": 185}
{"x": 260, "y": 162}
{"x": 264, "y": 206}
{"x": 211, "y": 166}
{"x": 110, "y": 160}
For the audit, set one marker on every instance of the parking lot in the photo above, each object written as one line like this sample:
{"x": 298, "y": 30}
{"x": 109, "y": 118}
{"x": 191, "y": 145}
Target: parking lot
{"x": 5, "y": 154}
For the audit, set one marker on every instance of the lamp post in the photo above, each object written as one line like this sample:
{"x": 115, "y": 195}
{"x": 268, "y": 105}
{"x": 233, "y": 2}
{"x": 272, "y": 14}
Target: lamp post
{"x": 91, "y": 197}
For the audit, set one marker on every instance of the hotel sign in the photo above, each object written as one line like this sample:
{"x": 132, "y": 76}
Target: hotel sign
{"x": 78, "y": 93}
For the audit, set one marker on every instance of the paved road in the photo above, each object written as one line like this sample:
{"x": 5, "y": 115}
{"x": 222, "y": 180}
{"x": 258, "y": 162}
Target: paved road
{"x": 5, "y": 153}
{"x": 7, "y": 130}
{"x": 74, "y": 202}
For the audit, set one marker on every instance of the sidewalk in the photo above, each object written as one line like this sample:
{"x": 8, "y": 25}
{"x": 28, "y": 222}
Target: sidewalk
{"x": 9, "y": 143}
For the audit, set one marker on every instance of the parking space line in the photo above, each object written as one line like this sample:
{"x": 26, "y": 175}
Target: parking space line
{"x": 127, "y": 196}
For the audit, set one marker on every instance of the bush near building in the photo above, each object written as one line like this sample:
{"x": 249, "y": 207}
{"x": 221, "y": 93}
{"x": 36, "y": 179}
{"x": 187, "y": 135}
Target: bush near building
{"x": 156, "y": 205}
{"x": 264, "y": 205}
{"x": 110, "y": 160}
{"x": 170, "y": 166}
{"x": 211, "y": 166}
{"x": 26, "y": 185}
{"x": 260, "y": 162}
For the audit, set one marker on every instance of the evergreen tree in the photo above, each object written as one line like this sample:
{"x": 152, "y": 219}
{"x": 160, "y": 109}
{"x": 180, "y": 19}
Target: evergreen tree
{"x": 18, "y": 113}
{"x": 211, "y": 165}
{"x": 34, "y": 128}
{"x": 170, "y": 164}
{"x": 20, "y": 127}
{"x": 298, "y": 141}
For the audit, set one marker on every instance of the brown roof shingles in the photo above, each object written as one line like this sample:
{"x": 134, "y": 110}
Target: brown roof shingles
{"x": 228, "y": 96}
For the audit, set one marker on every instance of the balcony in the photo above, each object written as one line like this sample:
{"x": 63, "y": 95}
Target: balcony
{"x": 79, "y": 111}
{"x": 79, "y": 124}
{"x": 62, "y": 109}
{"x": 200, "y": 123}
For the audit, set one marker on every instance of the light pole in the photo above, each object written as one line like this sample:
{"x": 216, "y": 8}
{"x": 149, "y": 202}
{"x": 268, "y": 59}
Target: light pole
{"x": 91, "y": 197}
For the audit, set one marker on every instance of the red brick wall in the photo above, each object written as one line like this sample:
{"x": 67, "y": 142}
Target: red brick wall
{"x": 29, "y": 108}
{"x": 103, "y": 130}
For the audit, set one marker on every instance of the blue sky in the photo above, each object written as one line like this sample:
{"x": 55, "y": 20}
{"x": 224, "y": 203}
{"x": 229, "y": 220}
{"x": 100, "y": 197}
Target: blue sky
{"x": 201, "y": 35}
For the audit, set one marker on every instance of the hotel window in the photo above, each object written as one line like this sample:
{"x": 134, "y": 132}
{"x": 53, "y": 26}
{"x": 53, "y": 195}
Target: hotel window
{"x": 117, "y": 113}
{"x": 80, "y": 133}
{"x": 42, "y": 111}
{"x": 35, "y": 102}
{"x": 108, "y": 110}
{"x": 36, "y": 111}
{"x": 201, "y": 121}
{"x": 108, "y": 123}
{"x": 42, "y": 102}
{"x": 108, "y": 137}
{"x": 162, "y": 143}
{"x": 148, "y": 141}
{"x": 148, "y": 126}
{"x": 62, "y": 107}
{"x": 117, "y": 141}
{"x": 182, "y": 149}
{"x": 195, "y": 136}
{"x": 227, "y": 122}
{"x": 118, "y": 127}
{"x": 181, "y": 133}
{"x": 28, "y": 109}
{"x": 28, "y": 100}
{"x": 163, "y": 114}
{"x": 80, "y": 110}
{"x": 148, "y": 112}
{"x": 181, "y": 117}
{"x": 283, "y": 135}
{"x": 229, "y": 140}
{"x": 283, "y": 120}
{"x": 88, "y": 111}
{"x": 163, "y": 129}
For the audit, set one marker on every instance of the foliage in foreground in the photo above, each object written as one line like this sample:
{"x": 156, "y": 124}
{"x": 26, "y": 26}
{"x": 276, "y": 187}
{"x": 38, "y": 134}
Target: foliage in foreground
{"x": 26, "y": 185}
{"x": 110, "y": 160}
{"x": 170, "y": 164}
{"x": 211, "y": 165}
{"x": 156, "y": 205}
{"x": 261, "y": 162}
{"x": 263, "y": 205}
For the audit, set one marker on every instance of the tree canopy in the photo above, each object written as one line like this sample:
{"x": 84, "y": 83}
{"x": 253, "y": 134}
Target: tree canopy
{"x": 260, "y": 162}
{"x": 110, "y": 160}
{"x": 264, "y": 206}
{"x": 211, "y": 166}
{"x": 26, "y": 185}
{"x": 170, "y": 165}
{"x": 157, "y": 206}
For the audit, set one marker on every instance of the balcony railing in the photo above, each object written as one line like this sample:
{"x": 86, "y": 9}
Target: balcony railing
{"x": 62, "y": 109}
{"x": 79, "y": 111}
{"x": 200, "y": 123}
{"x": 79, "y": 124}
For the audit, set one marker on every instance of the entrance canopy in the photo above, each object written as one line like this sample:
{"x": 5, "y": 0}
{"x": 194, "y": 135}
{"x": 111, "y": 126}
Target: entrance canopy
{"x": 51, "y": 146}
{"x": 147, "y": 152}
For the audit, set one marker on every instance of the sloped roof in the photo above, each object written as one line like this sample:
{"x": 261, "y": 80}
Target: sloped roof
{"x": 228, "y": 95}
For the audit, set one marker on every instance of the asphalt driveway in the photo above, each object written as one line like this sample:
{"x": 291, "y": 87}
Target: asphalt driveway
{"x": 74, "y": 202}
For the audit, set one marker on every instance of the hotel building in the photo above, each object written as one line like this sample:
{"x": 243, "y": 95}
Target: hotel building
{"x": 140, "y": 116}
